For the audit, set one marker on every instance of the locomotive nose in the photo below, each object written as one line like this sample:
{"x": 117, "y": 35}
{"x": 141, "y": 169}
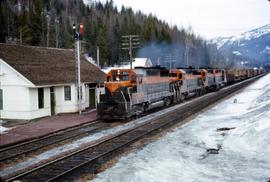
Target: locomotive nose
{"x": 114, "y": 86}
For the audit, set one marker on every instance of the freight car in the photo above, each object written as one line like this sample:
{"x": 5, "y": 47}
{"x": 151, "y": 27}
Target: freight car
{"x": 131, "y": 92}
{"x": 187, "y": 82}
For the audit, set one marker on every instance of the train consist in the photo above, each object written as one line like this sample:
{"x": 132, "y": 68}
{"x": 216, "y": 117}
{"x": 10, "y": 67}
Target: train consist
{"x": 131, "y": 92}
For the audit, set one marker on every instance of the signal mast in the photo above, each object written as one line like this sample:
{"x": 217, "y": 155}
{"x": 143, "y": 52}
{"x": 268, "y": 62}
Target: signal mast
{"x": 77, "y": 37}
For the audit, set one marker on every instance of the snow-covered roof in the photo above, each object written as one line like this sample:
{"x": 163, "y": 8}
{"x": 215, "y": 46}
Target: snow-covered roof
{"x": 142, "y": 62}
{"x": 138, "y": 62}
{"x": 237, "y": 53}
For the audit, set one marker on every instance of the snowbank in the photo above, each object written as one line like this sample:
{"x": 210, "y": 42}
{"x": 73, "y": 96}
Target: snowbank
{"x": 2, "y": 128}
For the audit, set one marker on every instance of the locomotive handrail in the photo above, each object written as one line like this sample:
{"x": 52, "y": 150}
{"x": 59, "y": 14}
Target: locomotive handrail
{"x": 130, "y": 99}
{"x": 124, "y": 100}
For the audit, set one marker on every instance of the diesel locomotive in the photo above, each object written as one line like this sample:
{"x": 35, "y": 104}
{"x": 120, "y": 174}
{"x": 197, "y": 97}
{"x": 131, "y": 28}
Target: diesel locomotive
{"x": 130, "y": 92}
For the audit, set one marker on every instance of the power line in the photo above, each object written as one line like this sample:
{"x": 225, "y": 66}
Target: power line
{"x": 171, "y": 59}
{"x": 130, "y": 42}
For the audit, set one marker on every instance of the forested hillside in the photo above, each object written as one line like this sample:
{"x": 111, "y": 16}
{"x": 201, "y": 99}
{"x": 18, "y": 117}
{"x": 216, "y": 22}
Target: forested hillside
{"x": 49, "y": 23}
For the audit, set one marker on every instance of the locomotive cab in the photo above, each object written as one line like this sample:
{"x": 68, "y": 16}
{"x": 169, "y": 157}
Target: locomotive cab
{"x": 116, "y": 100}
{"x": 117, "y": 79}
{"x": 176, "y": 75}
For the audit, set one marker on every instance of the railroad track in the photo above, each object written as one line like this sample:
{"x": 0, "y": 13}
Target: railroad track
{"x": 89, "y": 160}
{"x": 19, "y": 150}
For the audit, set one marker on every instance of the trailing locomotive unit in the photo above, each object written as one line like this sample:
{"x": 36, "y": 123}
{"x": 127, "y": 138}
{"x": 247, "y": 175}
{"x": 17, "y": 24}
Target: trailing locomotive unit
{"x": 132, "y": 91}
{"x": 216, "y": 79}
{"x": 187, "y": 82}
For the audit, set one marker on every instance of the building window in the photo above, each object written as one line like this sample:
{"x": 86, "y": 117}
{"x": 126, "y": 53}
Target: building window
{"x": 67, "y": 90}
{"x": 1, "y": 99}
{"x": 40, "y": 98}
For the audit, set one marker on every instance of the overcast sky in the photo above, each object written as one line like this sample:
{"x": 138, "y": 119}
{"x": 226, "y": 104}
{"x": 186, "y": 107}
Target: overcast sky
{"x": 209, "y": 18}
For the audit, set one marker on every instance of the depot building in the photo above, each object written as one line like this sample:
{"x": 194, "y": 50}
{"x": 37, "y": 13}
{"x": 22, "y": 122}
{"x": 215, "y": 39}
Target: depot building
{"x": 37, "y": 82}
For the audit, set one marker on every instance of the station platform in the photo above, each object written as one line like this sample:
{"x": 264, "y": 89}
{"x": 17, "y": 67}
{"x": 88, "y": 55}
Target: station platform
{"x": 45, "y": 126}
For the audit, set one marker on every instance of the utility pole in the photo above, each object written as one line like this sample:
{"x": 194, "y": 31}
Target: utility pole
{"x": 57, "y": 35}
{"x": 98, "y": 56}
{"x": 186, "y": 52}
{"x": 48, "y": 30}
{"x": 171, "y": 59}
{"x": 130, "y": 42}
{"x": 77, "y": 38}
{"x": 20, "y": 29}
{"x": 158, "y": 61}
{"x": 188, "y": 45}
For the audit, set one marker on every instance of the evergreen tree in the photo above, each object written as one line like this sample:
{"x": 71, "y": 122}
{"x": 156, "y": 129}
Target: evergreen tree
{"x": 104, "y": 26}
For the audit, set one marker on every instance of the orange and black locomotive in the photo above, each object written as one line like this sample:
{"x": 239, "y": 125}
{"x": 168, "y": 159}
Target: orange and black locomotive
{"x": 131, "y": 92}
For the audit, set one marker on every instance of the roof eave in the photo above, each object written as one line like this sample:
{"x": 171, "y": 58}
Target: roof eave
{"x": 23, "y": 77}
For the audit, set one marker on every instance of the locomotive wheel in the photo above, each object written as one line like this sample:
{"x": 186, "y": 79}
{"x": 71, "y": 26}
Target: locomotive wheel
{"x": 217, "y": 87}
{"x": 182, "y": 98}
{"x": 197, "y": 92}
{"x": 167, "y": 101}
{"x": 203, "y": 90}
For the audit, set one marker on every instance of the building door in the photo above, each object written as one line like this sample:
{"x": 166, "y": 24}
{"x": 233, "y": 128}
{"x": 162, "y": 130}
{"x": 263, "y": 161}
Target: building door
{"x": 52, "y": 101}
{"x": 92, "y": 97}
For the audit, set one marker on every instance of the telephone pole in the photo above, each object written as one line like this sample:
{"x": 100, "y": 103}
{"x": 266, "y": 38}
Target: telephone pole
{"x": 171, "y": 59}
{"x": 57, "y": 34}
{"x": 188, "y": 45}
{"x": 98, "y": 56}
{"x": 48, "y": 30}
{"x": 130, "y": 42}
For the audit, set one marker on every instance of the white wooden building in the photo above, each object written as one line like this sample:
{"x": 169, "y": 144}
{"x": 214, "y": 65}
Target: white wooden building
{"x": 37, "y": 82}
{"x": 138, "y": 62}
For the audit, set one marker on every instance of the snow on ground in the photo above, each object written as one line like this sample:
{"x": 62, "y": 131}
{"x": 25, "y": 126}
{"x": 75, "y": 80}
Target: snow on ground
{"x": 266, "y": 50}
{"x": 229, "y": 142}
{"x": 2, "y": 128}
{"x": 237, "y": 53}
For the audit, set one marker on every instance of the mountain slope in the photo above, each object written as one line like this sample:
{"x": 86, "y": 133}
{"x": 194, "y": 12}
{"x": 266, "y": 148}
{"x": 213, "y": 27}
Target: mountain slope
{"x": 254, "y": 44}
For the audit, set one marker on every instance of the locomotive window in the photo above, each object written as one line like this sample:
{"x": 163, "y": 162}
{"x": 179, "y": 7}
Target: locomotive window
{"x": 180, "y": 76}
{"x": 164, "y": 74}
{"x": 116, "y": 78}
{"x": 121, "y": 78}
{"x": 152, "y": 72}
{"x": 124, "y": 73}
{"x": 173, "y": 75}
{"x": 124, "y": 78}
{"x": 196, "y": 73}
{"x": 108, "y": 78}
